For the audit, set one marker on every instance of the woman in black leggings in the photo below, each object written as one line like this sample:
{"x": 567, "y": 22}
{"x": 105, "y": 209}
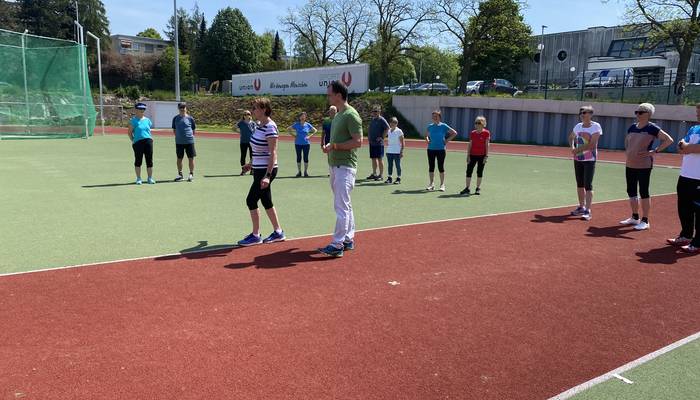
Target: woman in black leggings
{"x": 437, "y": 136}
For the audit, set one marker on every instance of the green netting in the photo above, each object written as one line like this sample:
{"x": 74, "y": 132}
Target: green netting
{"x": 44, "y": 90}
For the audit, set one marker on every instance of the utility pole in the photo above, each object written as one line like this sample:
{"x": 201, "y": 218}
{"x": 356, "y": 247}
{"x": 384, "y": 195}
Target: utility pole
{"x": 177, "y": 54}
{"x": 540, "y": 47}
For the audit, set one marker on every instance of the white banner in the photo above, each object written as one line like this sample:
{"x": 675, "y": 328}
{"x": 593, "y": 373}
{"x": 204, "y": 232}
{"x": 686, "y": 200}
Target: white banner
{"x": 301, "y": 81}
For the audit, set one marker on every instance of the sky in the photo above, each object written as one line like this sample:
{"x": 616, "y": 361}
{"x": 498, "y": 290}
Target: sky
{"x": 129, "y": 17}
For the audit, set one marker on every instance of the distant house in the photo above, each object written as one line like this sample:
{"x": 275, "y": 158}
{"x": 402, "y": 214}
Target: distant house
{"x": 138, "y": 46}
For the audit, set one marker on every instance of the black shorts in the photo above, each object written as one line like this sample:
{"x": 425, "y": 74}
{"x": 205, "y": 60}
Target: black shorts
{"x": 584, "y": 171}
{"x": 376, "y": 151}
{"x": 181, "y": 149}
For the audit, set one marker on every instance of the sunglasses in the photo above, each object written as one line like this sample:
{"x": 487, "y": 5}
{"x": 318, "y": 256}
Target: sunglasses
{"x": 640, "y": 112}
{"x": 478, "y": 123}
{"x": 585, "y": 112}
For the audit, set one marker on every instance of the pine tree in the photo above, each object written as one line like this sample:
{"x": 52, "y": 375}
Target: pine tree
{"x": 276, "y": 48}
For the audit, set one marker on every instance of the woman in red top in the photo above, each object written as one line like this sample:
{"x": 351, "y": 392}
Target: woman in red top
{"x": 477, "y": 153}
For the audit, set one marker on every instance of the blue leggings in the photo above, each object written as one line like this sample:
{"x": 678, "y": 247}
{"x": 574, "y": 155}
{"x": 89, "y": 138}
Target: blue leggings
{"x": 394, "y": 158}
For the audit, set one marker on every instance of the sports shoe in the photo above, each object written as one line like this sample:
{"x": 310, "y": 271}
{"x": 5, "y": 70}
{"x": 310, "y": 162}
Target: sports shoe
{"x": 442, "y": 188}
{"x": 275, "y": 237}
{"x": 138, "y": 181}
{"x": 397, "y": 181}
{"x": 190, "y": 178}
{"x": 306, "y": 174}
{"x": 331, "y": 250}
{"x": 465, "y": 191}
{"x": 243, "y": 172}
{"x": 579, "y": 211}
{"x": 679, "y": 241}
{"x": 388, "y": 180}
{"x": 477, "y": 191}
{"x": 349, "y": 245}
{"x": 298, "y": 175}
{"x": 371, "y": 177}
{"x": 586, "y": 215}
{"x": 178, "y": 178}
{"x": 250, "y": 240}
{"x": 430, "y": 187}
{"x": 630, "y": 221}
{"x": 690, "y": 249}
{"x": 378, "y": 178}
{"x": 151, "y": 181}
{"x": 642, "y": 226}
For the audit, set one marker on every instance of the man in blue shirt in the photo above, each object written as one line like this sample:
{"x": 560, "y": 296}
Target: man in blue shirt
{"x": 183, "y": 129}
{"x": 378, "y": 130}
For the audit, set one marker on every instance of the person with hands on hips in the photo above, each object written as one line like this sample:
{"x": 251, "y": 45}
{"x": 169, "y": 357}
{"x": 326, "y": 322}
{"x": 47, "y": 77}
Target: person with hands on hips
{"x": 437, "y": 137}
{"x": 302, "y": 132}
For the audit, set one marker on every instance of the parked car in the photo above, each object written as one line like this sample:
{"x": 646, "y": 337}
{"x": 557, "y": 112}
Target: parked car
{"x": 499, "y": 86}
{"x": 473, "y": 87}
{"x": 433, "y": 88}
{"x": 408, "y": 88}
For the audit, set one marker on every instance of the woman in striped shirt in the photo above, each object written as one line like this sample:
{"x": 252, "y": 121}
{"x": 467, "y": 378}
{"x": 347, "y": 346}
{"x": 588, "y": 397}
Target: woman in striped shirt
{"x": 264, "y": 165}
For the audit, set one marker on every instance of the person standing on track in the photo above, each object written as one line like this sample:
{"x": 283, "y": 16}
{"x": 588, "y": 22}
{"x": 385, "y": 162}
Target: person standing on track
{"x": 477, "y": 154}
{"x": 640, "y": 161}
{"x": 583, "y": 141}
{"x": 346, "y": 138}
{"x": 183, "y": 129}
{"x": 246, "y": 127}
{"x": 326, "y": 138}
{"x": 394, "y": 151}
{"x": 302, "y": 132}
{"x": 437, "y": 136}
{"x": 688, "y": 189}
{"x": 142, "y": 142}
{"x": 378, "y": 129}
{"x": 264, "y": 166}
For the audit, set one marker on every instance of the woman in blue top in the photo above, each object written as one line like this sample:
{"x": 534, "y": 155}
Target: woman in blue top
{"x": 246, "y": 127}
{"x": 302, "y": 131}
{"x": 437, "y": 136}
{"x": 142, "y": 143}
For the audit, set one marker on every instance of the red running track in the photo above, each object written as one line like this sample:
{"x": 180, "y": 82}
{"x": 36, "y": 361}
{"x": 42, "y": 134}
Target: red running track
{"x": 520, "y": 306}
{"x": 662, "y": 159}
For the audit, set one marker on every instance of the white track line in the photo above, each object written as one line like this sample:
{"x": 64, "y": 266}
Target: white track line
{"x": 313, "y": 237}
{"x": 630, "y": 365}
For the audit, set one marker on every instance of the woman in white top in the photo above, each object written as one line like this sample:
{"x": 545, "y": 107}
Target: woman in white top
{"x": 583, "y": 141}
{"x": 394, "y": 151}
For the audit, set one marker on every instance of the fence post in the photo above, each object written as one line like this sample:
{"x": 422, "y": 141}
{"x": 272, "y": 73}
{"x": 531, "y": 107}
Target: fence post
{"x": 624, "y": 83}
{"x": 670, "y": 83}
{"x": 583, "y": 82}
{"x": 26, "y": 89}
{"x": 546, "y": 83}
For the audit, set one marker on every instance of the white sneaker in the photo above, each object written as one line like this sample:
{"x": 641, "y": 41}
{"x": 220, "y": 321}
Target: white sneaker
{"x": 442, "y": 188}
{"x": 190, "y": 178}
{"x": 642, "y": 226}
{"x": 430, "y": 188}
{"x": 630, "y": 221}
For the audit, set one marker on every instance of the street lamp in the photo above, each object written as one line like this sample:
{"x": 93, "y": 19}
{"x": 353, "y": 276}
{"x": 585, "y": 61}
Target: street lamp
{"x": 177, "y": 54}
{"x": 540, "y": 47}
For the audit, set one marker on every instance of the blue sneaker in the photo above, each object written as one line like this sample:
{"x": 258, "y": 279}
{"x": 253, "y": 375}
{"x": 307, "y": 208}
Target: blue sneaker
{"x": 349, "y": 245}
{"x": 275, "y": 237}
{"x": 331, "y": 250}
{"x": 250, "y": 240}
{"x": 151, "y": 181}
{"x": 138, "y": 181}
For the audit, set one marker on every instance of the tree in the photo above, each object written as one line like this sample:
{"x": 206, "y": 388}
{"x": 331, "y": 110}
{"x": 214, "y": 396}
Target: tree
{"x": 231, "y": 45}
{"x": 401, "y": 71}
{"x": 54, "y": 18}
{"x": 164, "y": 69}
{"x": 8, "y": 15}
{"x": 314, "y": 23}
{"x": 150, "y": 33}
{"x": 199, "y": 56}
{"x": 188, "y": 28}
{"x": 268, "y": 59}
{"x": 355, "y": 22}
{"x": 677, "y": 21}
{"x": 397, "y": 30}
{"x": 430, "y": 62}
{"x": 276, "y": 48}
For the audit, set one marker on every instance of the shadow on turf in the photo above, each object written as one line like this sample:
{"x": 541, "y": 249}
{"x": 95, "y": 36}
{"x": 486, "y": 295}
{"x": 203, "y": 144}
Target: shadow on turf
{"x": 554, "y": 219}
{"x": 416, "y": 191}
{"x": 281, "y": 259}
{"x": 301, "y": 177}
{"x": 105, "y": 185}
{"x": 201, "y": 250}
{"x": 615, "y": 231}
{"x": 663, "y": 255}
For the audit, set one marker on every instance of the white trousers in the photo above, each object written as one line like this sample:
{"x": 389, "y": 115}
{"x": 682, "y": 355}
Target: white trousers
{"x": 342, "y": 182}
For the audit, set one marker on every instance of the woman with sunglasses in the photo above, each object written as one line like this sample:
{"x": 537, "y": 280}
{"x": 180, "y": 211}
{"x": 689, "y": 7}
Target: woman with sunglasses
{"x": 583, "y": 141}
{"x": 640, "y": 161}
{"x": 477, "y": 153}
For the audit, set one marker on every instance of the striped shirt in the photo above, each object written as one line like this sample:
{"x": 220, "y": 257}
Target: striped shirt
{"x": 258, "y": 143}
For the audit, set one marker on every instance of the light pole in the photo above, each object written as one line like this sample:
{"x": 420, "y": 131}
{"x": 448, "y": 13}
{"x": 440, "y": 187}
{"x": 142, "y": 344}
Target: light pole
{"x": 177, "y": 54}
{"x": 540, "y": 47}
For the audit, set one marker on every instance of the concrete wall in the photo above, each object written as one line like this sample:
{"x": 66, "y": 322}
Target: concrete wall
{"x": 546, "y": 122}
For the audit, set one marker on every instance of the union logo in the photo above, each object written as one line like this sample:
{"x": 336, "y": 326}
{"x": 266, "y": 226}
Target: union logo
{"x": 346, "y": 78}
{"x": 257, "y": 84}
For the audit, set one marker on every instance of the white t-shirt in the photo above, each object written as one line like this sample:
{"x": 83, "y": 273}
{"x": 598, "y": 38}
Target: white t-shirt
{"x": 583, "y": 137}
{"x": 690, "y": 168}
{"x": 394, "y": 141}
{"x": 259, "y": 145}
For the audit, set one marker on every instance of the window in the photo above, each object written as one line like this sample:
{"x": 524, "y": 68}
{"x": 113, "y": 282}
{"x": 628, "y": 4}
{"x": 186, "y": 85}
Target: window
{"x": 562, "y": 55}
{"x": 635, "y": 47}
{"x": 125, "y": 44}
{"x": 136, "y": 47}
{"x": 536, "y": 58}
{"x": 148, "y": 48}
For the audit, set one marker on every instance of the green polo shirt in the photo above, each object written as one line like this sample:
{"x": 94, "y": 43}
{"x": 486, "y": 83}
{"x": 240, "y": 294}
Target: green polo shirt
{"x": 344, "y": 125}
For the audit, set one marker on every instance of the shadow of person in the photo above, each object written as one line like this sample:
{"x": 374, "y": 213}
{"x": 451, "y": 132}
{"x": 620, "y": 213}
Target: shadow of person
{"x": 615, "y": 231}
{"x": 452, "y": 196}
{"x": 417, "y": 191}
{"x": 281, "y": 259}
{"x": 554, "y": 219}
{"x": 663, "y": 255}
{"x": 200, "y": 251}
{"x": 108, "y": 185}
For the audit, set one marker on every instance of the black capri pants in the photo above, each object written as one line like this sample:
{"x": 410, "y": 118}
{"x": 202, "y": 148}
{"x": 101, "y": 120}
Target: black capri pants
{"x": 638, "y": 176}
{"x": 302, "y": 148}
{"x": 256, "y": 193}
{"x": 143, "y": 147}
{"x": 480, "y": 162}
{"x": 245, "y": 148}
{"x": 584, "y": 171}
{"x": 438, "y": 155}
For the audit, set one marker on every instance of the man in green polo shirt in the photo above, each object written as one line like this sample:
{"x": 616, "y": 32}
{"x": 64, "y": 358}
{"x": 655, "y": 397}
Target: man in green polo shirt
{"x": 346, "y": 138}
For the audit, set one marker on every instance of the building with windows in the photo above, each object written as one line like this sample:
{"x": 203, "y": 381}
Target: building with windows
{"x": 138, "y": 46}
{"x": 624, "y": 52}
